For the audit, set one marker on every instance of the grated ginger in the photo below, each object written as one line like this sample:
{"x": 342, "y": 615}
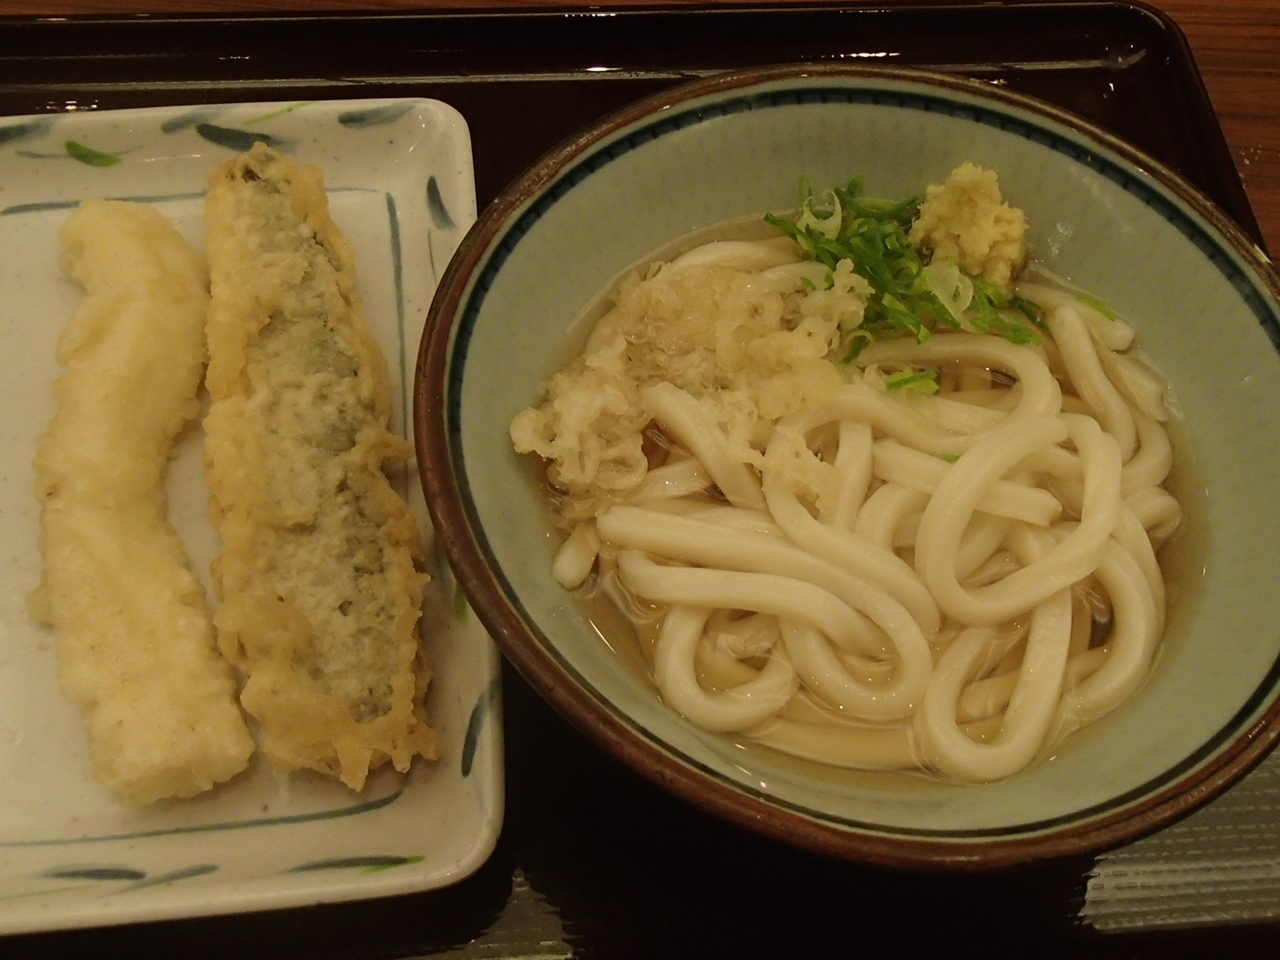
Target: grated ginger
{"x": 966, "y": 220}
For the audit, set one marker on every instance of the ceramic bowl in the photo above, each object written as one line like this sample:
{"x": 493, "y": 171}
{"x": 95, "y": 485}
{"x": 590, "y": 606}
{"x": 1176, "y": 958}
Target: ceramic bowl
{"x": 1203, "y": 299}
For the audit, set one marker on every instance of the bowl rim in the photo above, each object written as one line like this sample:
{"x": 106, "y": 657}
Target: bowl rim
{"x": 625, "y": 739}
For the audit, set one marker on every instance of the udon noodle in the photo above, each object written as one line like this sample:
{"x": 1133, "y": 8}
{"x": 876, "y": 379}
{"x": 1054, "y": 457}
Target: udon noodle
{"x": 934, "y": 551}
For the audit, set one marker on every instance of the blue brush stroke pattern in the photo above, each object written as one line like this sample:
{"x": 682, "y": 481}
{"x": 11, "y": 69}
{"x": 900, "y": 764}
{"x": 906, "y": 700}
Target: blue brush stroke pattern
{"x": 240, "y": 140}
{"x": 187, "y": 120}
{"x": 397, "y": 273}
{"x": 482, "y": 709}
{"x": 375, "y": 116}
{"x": 355, "y": 863}
{"x": 95, "y": 873}
{"x": 364, "y": 806}
{"x": 186, "y": 873}
{"x": 17, "y": 132}
{"x": 435, "y": 203}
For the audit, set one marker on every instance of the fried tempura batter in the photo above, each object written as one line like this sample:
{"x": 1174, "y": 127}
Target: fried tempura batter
{"x": 318, "y": 577}
{"x": 135, "y": 639}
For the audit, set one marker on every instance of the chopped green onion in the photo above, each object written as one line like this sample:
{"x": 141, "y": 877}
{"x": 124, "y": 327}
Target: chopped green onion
{"x": 1098, "y": 305}
{"x": 925, "y": 381}
{"x": 909, "y": 297}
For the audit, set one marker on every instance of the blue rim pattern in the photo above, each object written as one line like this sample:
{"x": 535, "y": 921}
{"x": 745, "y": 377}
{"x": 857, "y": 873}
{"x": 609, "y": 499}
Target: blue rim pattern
{"x": 1191, "y": 228}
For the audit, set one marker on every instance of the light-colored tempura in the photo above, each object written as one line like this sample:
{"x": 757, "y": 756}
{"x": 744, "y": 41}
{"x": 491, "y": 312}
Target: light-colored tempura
{"x": 318, "y": 576}
{"x": 134, "y": 636}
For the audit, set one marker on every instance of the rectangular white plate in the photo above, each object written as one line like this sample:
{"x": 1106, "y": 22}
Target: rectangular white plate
{"x": 400, "y": 182}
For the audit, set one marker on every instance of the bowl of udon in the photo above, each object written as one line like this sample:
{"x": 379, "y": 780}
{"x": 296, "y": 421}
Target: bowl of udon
{"x": 882, "y": 461}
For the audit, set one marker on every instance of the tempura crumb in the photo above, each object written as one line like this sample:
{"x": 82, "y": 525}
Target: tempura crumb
{"x": 966, "y": 220}
{"x": 747, "y": 352}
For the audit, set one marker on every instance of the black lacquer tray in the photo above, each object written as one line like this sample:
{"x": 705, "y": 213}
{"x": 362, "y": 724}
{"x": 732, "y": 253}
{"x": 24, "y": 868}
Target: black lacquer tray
{"x": 594, "y": 862}
{"x": 525, "y": 80}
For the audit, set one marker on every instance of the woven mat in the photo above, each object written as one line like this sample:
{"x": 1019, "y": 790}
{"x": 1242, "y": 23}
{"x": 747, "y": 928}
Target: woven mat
{"x": 1219, "y": 865}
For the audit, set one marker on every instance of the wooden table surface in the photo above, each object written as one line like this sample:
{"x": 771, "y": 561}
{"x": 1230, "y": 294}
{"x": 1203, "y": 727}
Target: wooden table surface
{"x": 1236, "y": 44}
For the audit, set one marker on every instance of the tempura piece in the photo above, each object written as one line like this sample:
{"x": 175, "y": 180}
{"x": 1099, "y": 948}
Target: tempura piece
{"x": 135, "y": 639}
{"x": 318, "y": 578}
